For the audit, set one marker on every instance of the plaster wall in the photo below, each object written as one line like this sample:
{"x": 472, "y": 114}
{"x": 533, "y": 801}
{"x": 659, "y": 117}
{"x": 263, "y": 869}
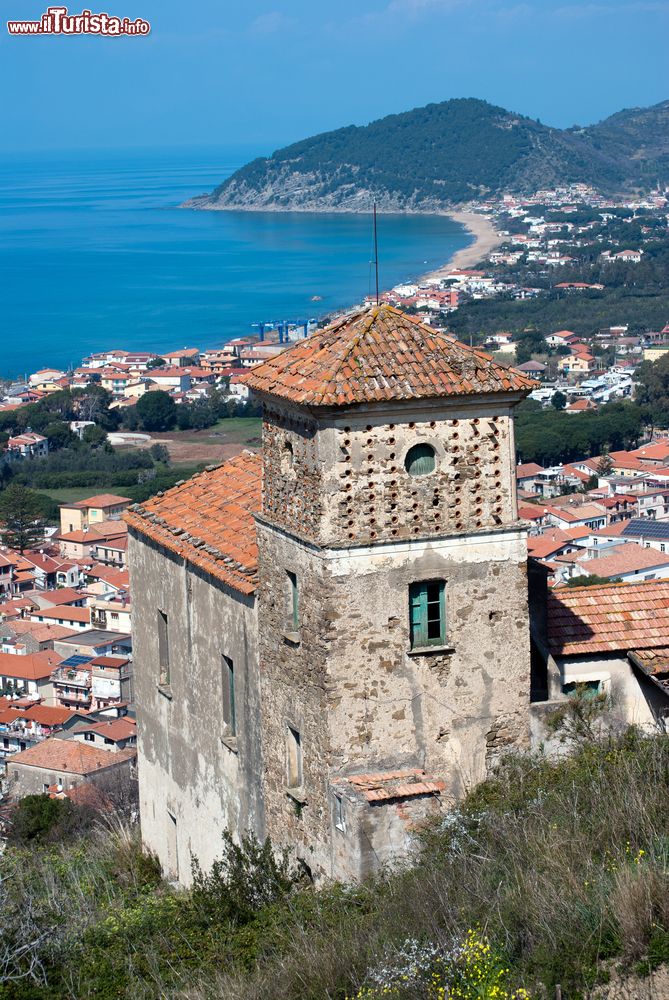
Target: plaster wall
{"x": 193, "y": 782}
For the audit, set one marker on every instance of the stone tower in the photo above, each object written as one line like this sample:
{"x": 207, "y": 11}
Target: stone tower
{"x": 393, "y": 632}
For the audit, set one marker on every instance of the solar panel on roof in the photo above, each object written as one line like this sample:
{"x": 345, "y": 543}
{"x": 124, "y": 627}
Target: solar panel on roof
{"x": 76, "y": 660}
{"x": 646, "y": 527}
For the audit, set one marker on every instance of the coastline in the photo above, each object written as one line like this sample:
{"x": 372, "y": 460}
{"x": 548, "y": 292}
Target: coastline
{"x": 486, "y": 238}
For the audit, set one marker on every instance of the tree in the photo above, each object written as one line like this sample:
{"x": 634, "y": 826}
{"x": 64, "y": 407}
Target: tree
{"x": 559, "y": 400}
{"x": 95, "y": 436}
{"x": 156, "y": 411}
{"x": 21, "y": 517}
{"x": 59, "y": 435}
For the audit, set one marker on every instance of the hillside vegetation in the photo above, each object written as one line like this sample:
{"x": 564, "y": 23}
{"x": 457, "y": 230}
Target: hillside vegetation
{"x": 550, "y": 872}
{"x": 448, "y": 153}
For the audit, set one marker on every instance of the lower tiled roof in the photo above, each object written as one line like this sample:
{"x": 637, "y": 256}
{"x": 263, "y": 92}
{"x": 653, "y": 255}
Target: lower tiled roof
{"x": 208, "y": 520}
{"x": 655, "y": 664}
{"x": 395, "y": 785}
{"x": 611, "y": 618}
{"x": 70, "y": 757}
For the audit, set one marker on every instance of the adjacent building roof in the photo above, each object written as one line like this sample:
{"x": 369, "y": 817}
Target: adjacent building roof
{"x": 610, "y": 618}
{"x": 654, "y": 663}
{"x": 628, "y": 558}
{"x": 646, "y": 527}
{"x": 526, "y": 469}
{"x": 66, "y": 613}
{"x": 379, "y": 354}
{"x": 70, "y": 756}
{"x": 33, "y": 667}
{"x": 100, "y": 500}
{"x": 113, "y": 729}
{"x": 208, "y": 520}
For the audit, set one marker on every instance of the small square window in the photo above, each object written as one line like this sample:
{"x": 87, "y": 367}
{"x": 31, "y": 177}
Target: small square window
{"x": 587, "y": 689}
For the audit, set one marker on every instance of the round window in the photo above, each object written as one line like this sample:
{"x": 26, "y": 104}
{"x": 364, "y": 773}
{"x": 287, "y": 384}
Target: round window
{"x": 420, "y": 460}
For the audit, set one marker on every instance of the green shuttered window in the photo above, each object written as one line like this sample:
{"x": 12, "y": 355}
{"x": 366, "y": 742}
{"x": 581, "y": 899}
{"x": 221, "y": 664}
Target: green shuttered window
{"x": 427, "y": 605}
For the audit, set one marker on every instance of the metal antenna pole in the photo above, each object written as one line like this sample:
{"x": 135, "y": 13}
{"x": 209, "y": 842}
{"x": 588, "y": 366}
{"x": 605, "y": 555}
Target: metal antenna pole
{"x": 376, "y": 257}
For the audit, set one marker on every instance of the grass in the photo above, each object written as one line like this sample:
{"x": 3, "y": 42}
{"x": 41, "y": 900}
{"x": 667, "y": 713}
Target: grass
{"x": 230, "y": 430}
{"x": 71, "y": 495}
{"x": 550, "y": 872}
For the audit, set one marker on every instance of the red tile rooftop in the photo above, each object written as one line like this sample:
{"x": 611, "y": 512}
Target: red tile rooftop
{"x": 612, "y": 618}
{"x": 379, "y": 354}
{"x": 208, "y": 520}
{"x": 70, "y": 756}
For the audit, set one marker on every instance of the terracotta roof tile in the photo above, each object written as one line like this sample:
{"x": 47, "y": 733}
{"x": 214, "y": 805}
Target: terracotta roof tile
{"x": 208, "y": 520}
{"x": 70, "y": 756}
{"x": 379, "y": 354}
{"x": 389, "y": 785}
{"x": 611, "y": 618}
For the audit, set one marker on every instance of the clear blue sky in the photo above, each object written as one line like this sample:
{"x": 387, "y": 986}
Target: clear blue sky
{"x": 262, "y": 74}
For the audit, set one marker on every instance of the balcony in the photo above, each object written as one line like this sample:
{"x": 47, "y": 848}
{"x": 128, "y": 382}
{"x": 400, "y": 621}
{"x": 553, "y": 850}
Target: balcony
{"x": 71, "y": 678}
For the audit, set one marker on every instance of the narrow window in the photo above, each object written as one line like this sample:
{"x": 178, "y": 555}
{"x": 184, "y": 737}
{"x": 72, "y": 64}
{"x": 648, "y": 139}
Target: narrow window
{"x": 163, "y": 649}
{"x": 89, "y": 737}
{"x": 293, "y": 602}
{"x": 339, "y": 817}
{"x": 229, "y": 708}
{"x": 294, "y": 745}
{"x": 427, "y": 613}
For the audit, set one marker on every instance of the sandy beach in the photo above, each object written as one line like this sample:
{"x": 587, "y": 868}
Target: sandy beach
{"x": 486, "y": 239}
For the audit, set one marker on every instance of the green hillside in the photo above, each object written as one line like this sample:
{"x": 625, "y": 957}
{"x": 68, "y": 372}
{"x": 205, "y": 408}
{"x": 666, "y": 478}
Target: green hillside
{"x": 448, "y": 153}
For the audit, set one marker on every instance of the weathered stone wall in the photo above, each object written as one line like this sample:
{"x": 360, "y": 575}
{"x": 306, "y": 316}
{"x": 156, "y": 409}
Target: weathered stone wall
{"x": 345, "y": 482}
{"x": 361, "y": 699}
{"x": 295, "y": 692}
{"x": 187, "y": 773}
{"x": 450, "y": 710}
{"x": 292, "y": 473}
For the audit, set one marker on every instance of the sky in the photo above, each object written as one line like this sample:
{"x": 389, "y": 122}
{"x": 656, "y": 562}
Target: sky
{"x": 258, "y": 75}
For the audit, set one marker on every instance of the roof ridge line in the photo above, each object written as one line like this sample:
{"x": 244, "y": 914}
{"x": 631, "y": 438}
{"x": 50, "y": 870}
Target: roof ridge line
{"x": 353, "y": 344}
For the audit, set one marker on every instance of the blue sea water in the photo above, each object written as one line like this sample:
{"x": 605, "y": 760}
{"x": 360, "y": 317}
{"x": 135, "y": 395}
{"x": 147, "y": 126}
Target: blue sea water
{"x": 95, "y": 254}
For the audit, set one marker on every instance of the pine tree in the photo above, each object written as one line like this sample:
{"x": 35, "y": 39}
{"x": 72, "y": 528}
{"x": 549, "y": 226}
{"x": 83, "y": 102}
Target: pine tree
{"x": 21, "y": 521}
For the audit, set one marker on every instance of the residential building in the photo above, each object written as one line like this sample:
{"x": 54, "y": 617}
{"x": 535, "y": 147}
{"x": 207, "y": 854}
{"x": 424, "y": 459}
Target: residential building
{"x": 29, "y": 674}
{"x": 112, "y": 681}
{"x": 28, "y": 445}
{"x": 64, "y": 764}
{"x": 612, "y": 640}
{"x": 83, "y": 514}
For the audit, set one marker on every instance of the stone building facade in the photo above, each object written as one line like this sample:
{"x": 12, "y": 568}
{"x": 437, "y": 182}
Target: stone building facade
{"x": 346, "y": 615}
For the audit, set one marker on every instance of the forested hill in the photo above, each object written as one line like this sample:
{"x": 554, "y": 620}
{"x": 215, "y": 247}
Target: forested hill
{"x": 449, "y": 153}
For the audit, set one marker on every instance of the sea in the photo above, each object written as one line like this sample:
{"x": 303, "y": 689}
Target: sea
{"x": 96, "y": 254}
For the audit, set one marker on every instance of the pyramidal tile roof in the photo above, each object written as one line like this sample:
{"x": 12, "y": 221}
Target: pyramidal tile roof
{"x": 379, "y": 354}
{"x": 208, "y": 520}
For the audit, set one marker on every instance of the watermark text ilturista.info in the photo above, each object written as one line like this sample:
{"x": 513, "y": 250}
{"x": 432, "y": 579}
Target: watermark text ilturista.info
{"x": 58, "y": 21}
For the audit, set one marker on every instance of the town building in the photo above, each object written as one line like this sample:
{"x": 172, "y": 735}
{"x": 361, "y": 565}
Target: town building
{"x": 332, "y": 638}
{"x": 83, "y": 514}
{"x": 66, "y": 764}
